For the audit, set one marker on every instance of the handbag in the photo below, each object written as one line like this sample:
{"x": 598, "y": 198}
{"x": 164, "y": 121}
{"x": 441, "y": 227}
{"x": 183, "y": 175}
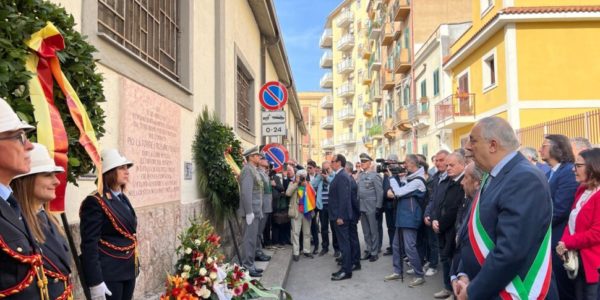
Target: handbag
{"x": 571, "y": 263}
{"x": 281, "y": 217}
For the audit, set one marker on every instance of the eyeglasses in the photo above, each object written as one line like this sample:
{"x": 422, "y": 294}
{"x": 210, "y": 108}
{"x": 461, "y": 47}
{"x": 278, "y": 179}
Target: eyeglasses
{"x": 21, "y": 137}
{"x": 579, "y": 165}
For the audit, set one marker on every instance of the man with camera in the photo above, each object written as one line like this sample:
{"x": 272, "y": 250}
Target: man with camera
{"x": 389, "y": 168}
{"x": 321, "y": 184}
{"x": 370, "y": 195}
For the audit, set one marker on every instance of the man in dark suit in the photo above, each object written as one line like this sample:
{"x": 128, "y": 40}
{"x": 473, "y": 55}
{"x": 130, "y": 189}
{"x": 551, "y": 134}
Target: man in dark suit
{"x": 340, "y": 210}
{"x": 14, "y": 232}
{"x": 509, "y": 224}
{"x": 556, "y": 151}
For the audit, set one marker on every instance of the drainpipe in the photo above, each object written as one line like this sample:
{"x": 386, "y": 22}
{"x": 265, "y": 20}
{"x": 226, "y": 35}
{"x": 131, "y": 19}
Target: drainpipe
{"x": 264, "y": 43}
{"x": 412, "y": 71}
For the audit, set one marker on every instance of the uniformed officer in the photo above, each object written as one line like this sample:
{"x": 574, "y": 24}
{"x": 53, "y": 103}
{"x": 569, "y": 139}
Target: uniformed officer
{"x": 267, "y": 208}
{"x": 251, "y": 205}
{"x": 18, "y": 253}
{"x": 109, "y": 253}
{"x": 370, "y": 195}
{"x": 34, "y": 192}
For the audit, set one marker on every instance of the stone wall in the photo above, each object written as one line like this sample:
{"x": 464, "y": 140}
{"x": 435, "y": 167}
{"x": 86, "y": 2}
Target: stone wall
{"x": 158, "y": 228}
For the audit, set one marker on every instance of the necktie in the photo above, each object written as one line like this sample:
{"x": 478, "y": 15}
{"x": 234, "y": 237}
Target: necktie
{"x": 550, "y": 175}
{"x": 15, "y": 206}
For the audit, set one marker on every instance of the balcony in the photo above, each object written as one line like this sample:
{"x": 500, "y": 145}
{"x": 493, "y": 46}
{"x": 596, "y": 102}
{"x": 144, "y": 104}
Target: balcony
{"x": 346, "y": 114}
{"x": 344, "y": 19}
{"x": 327, "y": 80}
{"x": 375, "y": 63}
{"x": 347, "y": 139}
{"x": 345, "y": 90}
{"x": 397, "y": 28}
{"x": 345, "y": 43}
{"x": 365, "y": 78}
{"x": 455, "y": 111}
{"x": 401, "y": 61}
{"x": 364, "y": 51}
{"x": 326, "y": 102}
{"x": 326, "y": 60}
{"x": 327, "y": 122}
{"x": 367, "y": 141}
{"x": 375, "y": 93}
{"x": 327, "y": 144}
{"x": 376, "y": 132}
{"x": 388, "y": 79}
{"x": 419, "y": 114}
{"x": 401, "y": 9}
{"x": 326, "y": 38}
{"x": 374, "y": 30}
{"x": 388, "y": 34}
{"x": 345, "y": 66}
{"x": 367, "y": 110}
{"x": 389, "y": 131}
{"x": 401, "y": 120}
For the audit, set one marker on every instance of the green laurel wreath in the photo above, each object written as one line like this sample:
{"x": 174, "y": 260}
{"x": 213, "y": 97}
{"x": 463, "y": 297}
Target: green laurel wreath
{"x": 18, "y": 20}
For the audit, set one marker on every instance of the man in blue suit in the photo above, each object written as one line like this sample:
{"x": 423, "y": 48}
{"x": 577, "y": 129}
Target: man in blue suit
{"x": 556, "y": 151}
{"x": 508, "y": 228}
{"x": 340, "y": 210}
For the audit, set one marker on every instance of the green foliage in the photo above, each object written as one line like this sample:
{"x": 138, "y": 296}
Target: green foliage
{"x": 215, "y": 178}
{"x": 18, "y": 20}
{"x": 375, "y": 130}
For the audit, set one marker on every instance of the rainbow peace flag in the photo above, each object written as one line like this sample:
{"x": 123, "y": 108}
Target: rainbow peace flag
{"x": 308, "y": 199}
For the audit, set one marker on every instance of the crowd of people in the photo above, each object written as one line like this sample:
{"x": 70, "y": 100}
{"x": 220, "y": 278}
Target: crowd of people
{"x": 496, "y": 219}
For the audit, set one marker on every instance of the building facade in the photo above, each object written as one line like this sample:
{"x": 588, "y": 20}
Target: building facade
{"x": 522, "y": 60}
{"x": 163, "y": 63}
{"x": 315, "y": 107}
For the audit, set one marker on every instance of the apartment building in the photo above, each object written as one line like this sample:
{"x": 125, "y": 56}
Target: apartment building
{"x": 318, "y": 143}
{"x": 526, "y": 61}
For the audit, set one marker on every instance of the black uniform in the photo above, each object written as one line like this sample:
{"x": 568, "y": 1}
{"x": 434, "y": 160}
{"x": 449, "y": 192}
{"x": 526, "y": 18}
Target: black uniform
{"x": 108, "y": 248}
{"x": 57, "y": 260}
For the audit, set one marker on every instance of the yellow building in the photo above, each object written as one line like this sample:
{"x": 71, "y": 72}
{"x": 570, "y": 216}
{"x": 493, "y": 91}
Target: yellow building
{"x": 527, "y": 61}
{"x": 318, "y": 143}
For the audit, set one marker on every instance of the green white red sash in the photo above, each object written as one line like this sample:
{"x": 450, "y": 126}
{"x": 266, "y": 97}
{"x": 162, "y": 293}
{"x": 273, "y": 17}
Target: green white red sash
{"x": 536, "y": 282}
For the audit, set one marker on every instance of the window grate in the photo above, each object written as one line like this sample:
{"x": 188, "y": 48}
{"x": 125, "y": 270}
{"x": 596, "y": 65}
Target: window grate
{"x": 243, "y": 100}
{"x": 147, "y": 28}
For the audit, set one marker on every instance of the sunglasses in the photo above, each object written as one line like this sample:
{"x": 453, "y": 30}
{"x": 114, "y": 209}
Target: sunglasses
{"x": 21, "y": 137}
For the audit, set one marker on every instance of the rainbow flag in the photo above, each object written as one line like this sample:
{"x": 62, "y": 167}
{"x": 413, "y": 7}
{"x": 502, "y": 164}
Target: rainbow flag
{"x": 308, "y": 200}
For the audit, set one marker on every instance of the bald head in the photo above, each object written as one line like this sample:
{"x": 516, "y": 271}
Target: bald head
{"x": 491, "y": 139}
{"x": 498, "y": 129}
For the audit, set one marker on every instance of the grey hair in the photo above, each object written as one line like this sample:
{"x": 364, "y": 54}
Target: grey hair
{"x": 476, "y": 173}
{"x": 498, "y": 129}
{"x": 349, "y": 166}
{"x": 460, "y": 157}
{"x": 412, "y": 158}
{"x": 530, "y": 152}
{"x": 581, "y": 143}
{"x": 442, "y": 152}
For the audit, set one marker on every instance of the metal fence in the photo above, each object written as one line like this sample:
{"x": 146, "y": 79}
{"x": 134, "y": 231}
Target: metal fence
{"x": 582, "y": 125}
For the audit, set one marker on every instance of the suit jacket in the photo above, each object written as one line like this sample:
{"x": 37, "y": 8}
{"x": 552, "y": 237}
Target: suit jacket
{"x": 562, "y": 188}
{"x": 340, "y": 197}
{"x": 251, "y": 192}
{"x": 17, "y": 236}
{"x": 370, "y": 191}
{"x": 57, "y": 257}
{"x": 451, "y": 199}
{"x": 516, "y": 211}
{"x": 267, "y": 205}
{"x": 100, "y": 262}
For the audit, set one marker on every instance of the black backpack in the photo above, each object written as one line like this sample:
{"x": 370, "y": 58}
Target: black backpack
{"x": 423, "y": 201}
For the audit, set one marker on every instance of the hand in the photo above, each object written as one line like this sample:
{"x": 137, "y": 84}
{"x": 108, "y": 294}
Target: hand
{"x": 273, "y": 183}
{"x": 339, "y": 222}
{"x": 427, "y": 221}
{"x": 460, "y": 286}
{"x": 436, "y": 226}
{"x": 390, "y": 194}
{"x": 462, "y": 294}
{"x": 100, "y": 291}
{"x": 455, "y": 287}
{"x": 249, "y": 218}
{"x": 561, "y": 249}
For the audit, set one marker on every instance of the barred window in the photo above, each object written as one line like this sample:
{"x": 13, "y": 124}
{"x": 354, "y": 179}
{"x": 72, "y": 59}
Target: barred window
{"x": 147, "y": 28}
{"x": 244, "y": 103}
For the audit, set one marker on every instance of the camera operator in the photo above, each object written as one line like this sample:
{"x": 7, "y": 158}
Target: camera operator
{"x": 388, "y": 202}
{"x": 408, "y": 218}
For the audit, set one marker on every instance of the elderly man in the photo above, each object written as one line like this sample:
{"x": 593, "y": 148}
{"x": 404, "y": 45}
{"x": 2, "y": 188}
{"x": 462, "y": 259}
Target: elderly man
{"x": 579, "y": 144}
{"x": 15, "y": 237}
{"x": 532, "y": 156}
{"x": 251, "y": 207}
{"x": 388, "y": 202}
{"x": 370, "y": 196}
{"x": 267, "y": 208}
{"x": 509, "y": 227}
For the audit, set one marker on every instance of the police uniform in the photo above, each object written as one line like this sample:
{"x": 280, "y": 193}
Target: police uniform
{"x": 370, "y": 195}
{"x": 57, "y": 259}
{"x": 251, "y": 202}
{"x": 267, "y": 209}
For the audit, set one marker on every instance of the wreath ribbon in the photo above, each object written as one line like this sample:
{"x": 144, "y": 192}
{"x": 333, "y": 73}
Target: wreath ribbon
{"x": 44, "y": 64}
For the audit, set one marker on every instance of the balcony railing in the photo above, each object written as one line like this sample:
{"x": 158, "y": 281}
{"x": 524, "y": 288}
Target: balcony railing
{"x": 401, "y": 9}
{"x": 345, "y": 66}
{"x": 401, "y": 120}
{"x": 388, "y": 79}
{"x": 327, "y": 102}
{"x": 365, "y": 78}
{"x": 327, "y": 122}
{"x": 327, "y": 80}
{"x": 326, "y": 59}
{"x": 345, "y": 18}
{"x": 327, "y": 144}
{"x": 326, "y": 38}
{"x": 455, "y": 111}
{"x": 419, "y": 113}
{"x": 367, "y": 141}
{"x": 364, "y": 51}
{"x": 401, "y": 61}
{"x": 346, "y": 114}
{"x": 397, "y": 28}
{"x": 367, "y": 109}
{"x": 346, "y": 90}
{"x": 375, "y": 92}
{"x": 347, "y": 138}
{"x": 389, "y": 131}
{"x": 374, "y": 29}
{"x": 376, "y": 131}
{"x": 346, "y": 42}
{"x": 375, "y": 62}
{"x": 388, "y": 34}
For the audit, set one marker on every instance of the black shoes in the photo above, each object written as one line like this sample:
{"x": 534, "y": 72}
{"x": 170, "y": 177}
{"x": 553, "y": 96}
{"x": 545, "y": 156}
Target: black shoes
{"x": 258, "y": 270}
{"x": 367, "y": 256}
{"x": 341, "y": 276}
{"x": 323, "y": 252}
{"x": 262, "y": 257}
{"x": 337, "y": 254}
{"x": 373, "y": 258}
{"x": 296, "y": 257}
{"x": 387, "y": 252}
{"x": 336, "y": 273}
{"x": 308, "y": 255}
{"x": 254, "y": 273}
{"x": 315, "y": 251}
{"x": 356, "y": 267}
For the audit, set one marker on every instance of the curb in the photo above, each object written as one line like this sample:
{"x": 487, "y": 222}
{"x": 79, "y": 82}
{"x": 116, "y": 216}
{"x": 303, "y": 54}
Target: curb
{"x": 277, "y": 269}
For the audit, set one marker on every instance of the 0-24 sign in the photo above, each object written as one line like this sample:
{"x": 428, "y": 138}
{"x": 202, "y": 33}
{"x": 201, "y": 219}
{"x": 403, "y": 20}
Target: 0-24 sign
{"x": 273, "y": 129}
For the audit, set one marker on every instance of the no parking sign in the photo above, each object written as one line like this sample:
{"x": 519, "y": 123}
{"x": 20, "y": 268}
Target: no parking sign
{"x": 273, "y": 95}
{"x": 277, "y": 154}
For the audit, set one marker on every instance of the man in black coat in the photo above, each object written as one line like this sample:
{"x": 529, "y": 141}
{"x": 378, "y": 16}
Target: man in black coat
{"x": 445, "y": 217}
{"x": 340, "y": 210}
{"x": 16, "y": 239}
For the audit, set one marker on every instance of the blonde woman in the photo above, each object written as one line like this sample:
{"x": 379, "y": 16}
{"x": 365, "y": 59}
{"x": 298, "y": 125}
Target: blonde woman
{"x": 34, "y": 192}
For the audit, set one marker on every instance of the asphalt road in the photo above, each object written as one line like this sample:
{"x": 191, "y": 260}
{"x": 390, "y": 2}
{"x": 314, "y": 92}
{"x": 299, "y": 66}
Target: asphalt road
{"x": 310, "y": 279}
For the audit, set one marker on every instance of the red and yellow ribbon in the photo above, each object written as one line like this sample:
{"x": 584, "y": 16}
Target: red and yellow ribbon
{"x": 51, "y": 132}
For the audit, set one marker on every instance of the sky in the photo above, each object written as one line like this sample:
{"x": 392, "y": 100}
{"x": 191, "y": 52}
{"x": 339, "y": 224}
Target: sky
{"x": 302, "y": 23}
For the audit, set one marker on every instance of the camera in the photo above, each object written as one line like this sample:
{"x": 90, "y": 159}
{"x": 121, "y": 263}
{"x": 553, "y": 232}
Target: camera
{"x": 395, "y": 167}
{"x": 302, "y": 179}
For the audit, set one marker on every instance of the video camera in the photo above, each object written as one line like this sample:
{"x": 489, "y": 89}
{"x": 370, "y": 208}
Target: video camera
{"x": 395, "y": 167}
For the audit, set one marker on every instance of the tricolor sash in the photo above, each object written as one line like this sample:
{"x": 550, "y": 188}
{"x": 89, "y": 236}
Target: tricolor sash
{"x": 537, "y": 280}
